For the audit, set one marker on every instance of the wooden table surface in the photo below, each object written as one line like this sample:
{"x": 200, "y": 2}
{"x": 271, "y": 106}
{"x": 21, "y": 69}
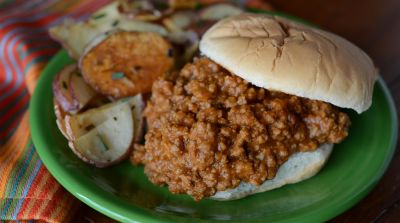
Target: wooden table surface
{"x": 375, "y": 27}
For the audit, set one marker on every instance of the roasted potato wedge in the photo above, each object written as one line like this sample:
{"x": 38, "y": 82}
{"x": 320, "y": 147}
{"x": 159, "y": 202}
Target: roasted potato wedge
{"x": 219, "y": 11}
{"x": 75, "y": 36}
{"x": 70, "y": 90}
{"x": 60, "y": 115}
{"x": 108, "y": 142}
{"x": 103, "y": 136}
{"x": 124, "y": 63}
{"x": 80, "y": 124}
{"x": 180, "y": 20}
{"x": 143, "y": 9}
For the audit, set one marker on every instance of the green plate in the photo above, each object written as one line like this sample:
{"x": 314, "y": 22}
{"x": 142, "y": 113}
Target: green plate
{"x": 124, "y": 193}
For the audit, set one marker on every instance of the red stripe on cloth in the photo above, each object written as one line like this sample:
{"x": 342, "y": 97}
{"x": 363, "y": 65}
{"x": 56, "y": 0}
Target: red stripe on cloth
{"x": 43, "y": 189}
{"x": 8, "y": 88}
{"x": 2, "y": 75}
{"x": 13, "y": 79}
{"x": 26, "y": 13}
{"x": 71, "y": 205}
{"x": 10, "y": 119}
{"x": 52, "y": 205}
{"x": 28, "y": 25}
{"x": 35, "y": 208}
{"x": 5, "y": 132}
{"x": 42, "y": 52}
{"x": 4, "y": 135}
{"x": 23, "y": 64}
{"x": 27, "y": 30}
{"x": 16, "y": 45}
{"x": 85, "y": 8}
{"x": 23, "y": 102}
{"x": 11, "y": 97}
{"x": 51, "y": 184}
{"x": 19, "y": 89}
{"x": 46, "y": 194}
{"x": 65, "y": 7}
{"x": 39, "y": 39}
{"x": 36, "y": 182}
{"x": 45, "y": 40}
{"x": 90, "y": 7}
{"x": 40, "y": 23}
{"x": 32, "y": 192}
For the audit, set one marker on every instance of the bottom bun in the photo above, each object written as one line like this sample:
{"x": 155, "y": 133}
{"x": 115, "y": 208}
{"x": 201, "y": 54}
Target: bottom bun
{"x": 300, "y": 166}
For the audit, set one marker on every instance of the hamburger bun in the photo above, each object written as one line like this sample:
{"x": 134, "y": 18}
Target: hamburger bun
{"x": 281, "y": 55}
{"x": 278, "y": 54}
{"x": 300, "y": 166}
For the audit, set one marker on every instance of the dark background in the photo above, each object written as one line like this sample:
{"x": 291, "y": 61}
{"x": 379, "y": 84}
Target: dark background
{"x": 373, "y": 25}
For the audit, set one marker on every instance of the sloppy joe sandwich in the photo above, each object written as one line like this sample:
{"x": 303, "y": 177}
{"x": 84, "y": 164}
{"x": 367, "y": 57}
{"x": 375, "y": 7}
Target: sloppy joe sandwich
{"x": 261, "y": 108}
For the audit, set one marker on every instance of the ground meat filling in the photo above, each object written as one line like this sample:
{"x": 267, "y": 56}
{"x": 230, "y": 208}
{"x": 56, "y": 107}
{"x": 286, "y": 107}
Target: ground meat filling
{"x": 210, "y": 130}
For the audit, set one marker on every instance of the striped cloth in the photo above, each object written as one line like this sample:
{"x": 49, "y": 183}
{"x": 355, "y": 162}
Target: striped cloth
{"x": 27, "y": 190}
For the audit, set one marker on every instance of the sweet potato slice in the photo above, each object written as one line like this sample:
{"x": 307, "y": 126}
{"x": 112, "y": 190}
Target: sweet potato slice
{"x": 125, "y": 63}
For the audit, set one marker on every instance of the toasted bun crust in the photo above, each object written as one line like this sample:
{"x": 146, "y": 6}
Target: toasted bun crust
{"x": 282, "y": 55}
{"x": 299, "y": 167}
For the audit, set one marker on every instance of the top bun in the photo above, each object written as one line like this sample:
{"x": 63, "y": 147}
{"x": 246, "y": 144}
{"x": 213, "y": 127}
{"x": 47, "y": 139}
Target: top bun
{"x": 282, "y": 55}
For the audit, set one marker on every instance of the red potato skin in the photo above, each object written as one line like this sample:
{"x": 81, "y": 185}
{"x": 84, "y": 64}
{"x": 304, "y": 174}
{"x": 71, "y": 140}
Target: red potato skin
{"x": 60, "y": 115}
{"x": 139, "y": 133}
{"x": 67, "y": 98}
{"x": 67, "y": 102}
{"x": 75, "y": 94}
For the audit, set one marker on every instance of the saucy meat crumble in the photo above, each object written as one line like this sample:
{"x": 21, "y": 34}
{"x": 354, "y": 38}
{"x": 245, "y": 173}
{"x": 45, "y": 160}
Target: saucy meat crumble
{"x": 209, "y": 130}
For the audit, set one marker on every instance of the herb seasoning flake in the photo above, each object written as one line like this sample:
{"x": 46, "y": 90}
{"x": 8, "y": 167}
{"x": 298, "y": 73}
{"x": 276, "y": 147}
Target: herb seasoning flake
{"x": 117, "y": 75}
{"x": 105, "y": 147}
{"x": 115, "y": 23}
{"x": 98, "y": 16}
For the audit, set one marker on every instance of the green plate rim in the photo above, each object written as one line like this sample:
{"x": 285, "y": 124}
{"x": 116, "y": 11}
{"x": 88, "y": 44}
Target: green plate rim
{"x": 118, "y": 210}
